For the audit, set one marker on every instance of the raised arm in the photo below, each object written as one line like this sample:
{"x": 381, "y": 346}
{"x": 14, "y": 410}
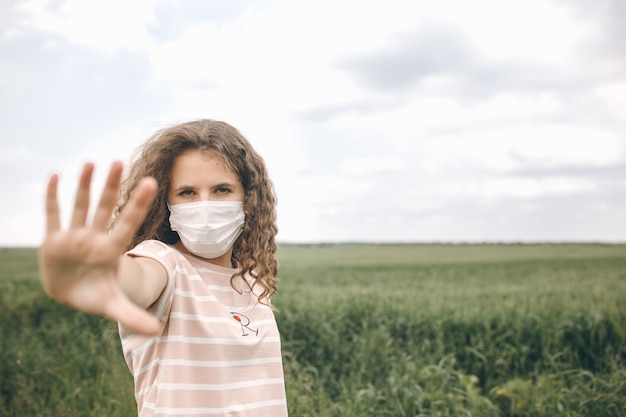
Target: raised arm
{"x": 85, "y": 267}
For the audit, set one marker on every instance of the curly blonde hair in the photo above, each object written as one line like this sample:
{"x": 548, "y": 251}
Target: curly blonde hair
{"x": 254, "y": 251}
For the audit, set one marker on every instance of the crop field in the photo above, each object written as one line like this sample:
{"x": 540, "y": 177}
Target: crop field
{"x": 370, "y": 330}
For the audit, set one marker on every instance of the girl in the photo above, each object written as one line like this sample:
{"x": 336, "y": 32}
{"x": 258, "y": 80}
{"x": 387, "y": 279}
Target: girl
{"x": 186, "y": 267}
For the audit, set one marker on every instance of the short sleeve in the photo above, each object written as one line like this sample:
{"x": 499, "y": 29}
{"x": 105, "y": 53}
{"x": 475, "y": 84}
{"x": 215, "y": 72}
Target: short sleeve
{"x": 166, "y": 256}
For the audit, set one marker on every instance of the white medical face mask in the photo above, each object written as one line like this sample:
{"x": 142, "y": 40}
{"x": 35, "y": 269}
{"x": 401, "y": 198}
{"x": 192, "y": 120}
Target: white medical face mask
{"x": 207, "y": 228}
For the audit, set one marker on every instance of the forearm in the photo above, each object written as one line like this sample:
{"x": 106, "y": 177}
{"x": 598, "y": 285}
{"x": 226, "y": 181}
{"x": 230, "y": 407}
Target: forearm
{"x": 141, "y": 279}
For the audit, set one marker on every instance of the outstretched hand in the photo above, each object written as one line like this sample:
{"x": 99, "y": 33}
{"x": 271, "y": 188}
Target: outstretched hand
{"x": 79, "y": 266}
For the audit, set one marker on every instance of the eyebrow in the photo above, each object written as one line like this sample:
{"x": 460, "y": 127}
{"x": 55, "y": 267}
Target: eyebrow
{"x": 226, "y": 184}
{"x": 183, "y": 187}
{"x": 220, "y": 185}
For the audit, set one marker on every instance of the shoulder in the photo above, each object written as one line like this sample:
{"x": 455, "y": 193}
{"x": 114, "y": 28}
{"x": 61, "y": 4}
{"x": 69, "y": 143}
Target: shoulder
{"x": 158, "y": 251}
{"x": 151, "y": 246}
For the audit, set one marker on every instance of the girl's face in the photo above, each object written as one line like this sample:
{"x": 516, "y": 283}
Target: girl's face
{"x": 202, "y": 176}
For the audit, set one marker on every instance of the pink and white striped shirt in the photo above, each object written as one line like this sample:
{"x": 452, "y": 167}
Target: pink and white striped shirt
{"x": 219, "y": 351}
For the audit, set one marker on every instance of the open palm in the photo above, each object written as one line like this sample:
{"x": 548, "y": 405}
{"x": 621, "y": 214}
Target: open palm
{"x": 80, "y": 266}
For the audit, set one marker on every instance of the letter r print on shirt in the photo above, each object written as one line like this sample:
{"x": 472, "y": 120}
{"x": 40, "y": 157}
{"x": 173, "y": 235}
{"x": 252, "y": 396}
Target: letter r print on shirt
{"x": 245, "y": 323}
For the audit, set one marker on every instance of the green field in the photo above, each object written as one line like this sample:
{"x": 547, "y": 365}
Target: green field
{"x": 371, "y": 330}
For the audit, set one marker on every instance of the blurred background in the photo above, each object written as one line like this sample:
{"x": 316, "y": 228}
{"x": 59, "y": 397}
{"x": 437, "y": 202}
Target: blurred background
{"x": 395, "y": 121}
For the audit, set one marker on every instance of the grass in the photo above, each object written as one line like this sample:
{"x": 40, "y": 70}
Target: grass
{"x": 371, "y": 330}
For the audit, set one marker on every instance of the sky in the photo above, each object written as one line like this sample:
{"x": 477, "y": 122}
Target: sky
{"x": 394, "y": 121}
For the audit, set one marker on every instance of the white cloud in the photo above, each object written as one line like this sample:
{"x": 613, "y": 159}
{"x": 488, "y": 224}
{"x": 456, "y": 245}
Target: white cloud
{"x": 371, "y": 165}
{"x": 553, "y": 146}
{"x": 107, "y": 26}
{"x": 613, "y": 95}
{"x": 15, "y": 153}
{"x": 522, "y": 148}
{"x": 523, "y": 188}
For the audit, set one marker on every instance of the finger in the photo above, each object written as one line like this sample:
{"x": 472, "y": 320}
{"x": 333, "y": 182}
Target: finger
{"x": 109, "y": 197}
{"x": 133, "y": 317}
{"x": 53, "y": 221}
{"x": 135, "y": 211}
{"x": 81, "y": 203}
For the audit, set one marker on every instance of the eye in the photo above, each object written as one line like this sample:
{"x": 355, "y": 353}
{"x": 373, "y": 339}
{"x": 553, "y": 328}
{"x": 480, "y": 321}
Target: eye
{"x": 223, "y": 190}
{"x": 186, "y": 192}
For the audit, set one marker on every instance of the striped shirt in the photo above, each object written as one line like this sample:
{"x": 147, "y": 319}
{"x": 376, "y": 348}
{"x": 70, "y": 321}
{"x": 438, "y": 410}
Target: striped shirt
{"x": 219, "y": 351}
